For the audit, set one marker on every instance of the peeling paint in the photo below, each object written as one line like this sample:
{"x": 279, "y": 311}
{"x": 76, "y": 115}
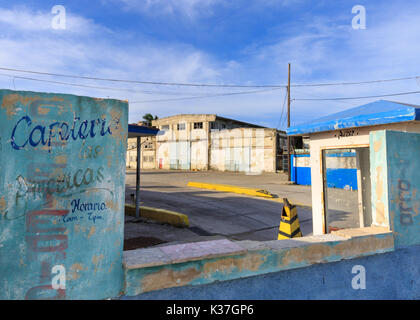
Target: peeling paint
{"x": 53, "y": 196}
{"x": 75, "y": 270}
{"x": 91, "y": 231}
{"x": 254, "y": 262}
{"x": 167, "y": 278}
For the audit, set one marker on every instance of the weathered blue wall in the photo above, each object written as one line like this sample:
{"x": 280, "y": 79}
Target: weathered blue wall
{"x": 300, "y": 174}
{"x": 403, "y": 162}
{"x": 62, "y": 177}
{"x": 341, "y": 178}
{"x": 393, "y": 275}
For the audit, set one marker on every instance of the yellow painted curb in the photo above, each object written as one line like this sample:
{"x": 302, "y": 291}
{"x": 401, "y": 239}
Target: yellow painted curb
{"x": 234, "y": 189}
{"x": 166, "y": 216}
{"x": 252, "y": 192}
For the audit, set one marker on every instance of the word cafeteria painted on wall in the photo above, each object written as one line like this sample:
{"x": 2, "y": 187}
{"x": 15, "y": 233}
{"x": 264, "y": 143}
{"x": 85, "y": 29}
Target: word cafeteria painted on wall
{"x": 37, "y": 135}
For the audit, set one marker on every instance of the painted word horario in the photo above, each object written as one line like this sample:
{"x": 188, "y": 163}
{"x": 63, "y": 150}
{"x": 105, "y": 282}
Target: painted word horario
{"x": 60, "y": 131}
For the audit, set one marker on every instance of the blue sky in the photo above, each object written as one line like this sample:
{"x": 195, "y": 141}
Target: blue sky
{"x": 215, "y": 41}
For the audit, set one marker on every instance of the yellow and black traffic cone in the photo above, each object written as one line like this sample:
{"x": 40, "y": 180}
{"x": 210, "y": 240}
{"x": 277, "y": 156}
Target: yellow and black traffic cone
{"x": 289, "y": 223}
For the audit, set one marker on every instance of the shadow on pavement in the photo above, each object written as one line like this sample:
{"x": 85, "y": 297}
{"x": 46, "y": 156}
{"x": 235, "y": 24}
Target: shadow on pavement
{"x": 214, "y": 213}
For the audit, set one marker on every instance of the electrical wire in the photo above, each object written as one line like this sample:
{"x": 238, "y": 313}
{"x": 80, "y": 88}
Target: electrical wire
{"x": 209, "y": 85}
{"x": 270, "y": 87}
{"x": 207, "y": 96}
{"x": 282, "y": 111}
{"x": 356, "y": 98}
{"x": 353, "y": 83}
{"x": 143, "y": 82}
{"x": 89, "y": 86}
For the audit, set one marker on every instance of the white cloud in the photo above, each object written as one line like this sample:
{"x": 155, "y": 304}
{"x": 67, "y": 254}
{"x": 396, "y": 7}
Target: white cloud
{"x": 329, "y": 50}
{"x": 188, "y": 8}
{"x": 32, "y": 46}
{"x": 23, "y": 19}
{"x": 324, "y": 50}
{"x": 193, "y": 9}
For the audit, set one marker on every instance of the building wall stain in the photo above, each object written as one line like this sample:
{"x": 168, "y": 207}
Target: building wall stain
{"x": 59, "y": 190}
{"x": 253, "y": 263}
{"x": 403, "y": 150}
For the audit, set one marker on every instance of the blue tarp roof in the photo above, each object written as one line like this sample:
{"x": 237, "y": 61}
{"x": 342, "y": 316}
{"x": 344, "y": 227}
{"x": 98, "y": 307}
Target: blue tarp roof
{"x": 374, "y": 113}
{"x": 141, "y": 131}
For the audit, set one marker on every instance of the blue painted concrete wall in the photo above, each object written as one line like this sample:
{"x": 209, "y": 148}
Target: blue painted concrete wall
{"x": 62, "y": 178}
{"x": 393, "y": 275}
{"x": 300, "y": 175}
{"x": 341, "y": 178}
{"x": 403, "y": 162}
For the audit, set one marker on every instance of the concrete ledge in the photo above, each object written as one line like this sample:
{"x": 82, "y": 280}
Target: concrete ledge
{"x": 142, "y": 258}
{"x": 360, "y": 232}
{"x": 234, "y": 189}
{"x": 166, "y": 216}
{"x": 207, "y": 262}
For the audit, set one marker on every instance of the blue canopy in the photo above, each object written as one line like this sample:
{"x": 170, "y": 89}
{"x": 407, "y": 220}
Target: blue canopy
{"x": 374, "y": 113}
{"x": 141, "y": 131}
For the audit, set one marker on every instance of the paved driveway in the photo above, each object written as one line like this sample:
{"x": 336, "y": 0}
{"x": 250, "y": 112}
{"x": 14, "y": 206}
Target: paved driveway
{"x": 215, "y": 214}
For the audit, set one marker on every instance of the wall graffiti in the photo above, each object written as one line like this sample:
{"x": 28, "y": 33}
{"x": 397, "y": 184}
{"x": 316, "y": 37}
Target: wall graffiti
{"x": 394, "y": 156}
{"x": 59, "y": 184}
{"x": 46, "y": 243}
{"x": 63, "y": 186}
{"x": 42, "y": 236}
{"x": 87, "y": 209}
{"x": 404, "y": 205}
{"x": 60, "y": 195}
{"x": 78, "y": 130}
{"x": 89, "y": 152}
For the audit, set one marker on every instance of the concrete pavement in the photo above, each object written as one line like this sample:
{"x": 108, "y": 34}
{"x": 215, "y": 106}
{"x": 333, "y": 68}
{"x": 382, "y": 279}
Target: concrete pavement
{"x": 214, "y": 214}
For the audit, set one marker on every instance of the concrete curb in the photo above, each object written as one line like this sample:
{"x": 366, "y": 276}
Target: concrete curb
{"x": 234, "y": 189}
{"x": 241, "y": 190}
{"x": 166, "y": 216}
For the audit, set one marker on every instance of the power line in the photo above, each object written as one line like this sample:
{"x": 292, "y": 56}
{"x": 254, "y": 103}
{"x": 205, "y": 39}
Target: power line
{"x": 207, "y": 96}
{"x": 283, "y": 123}
{"x": 282, "y": 111}
{"x": 353, "y": 83}
{"x": 89, "y": 86}
{"x": 270, "y": 88}
{"x": 133, "y": 90}
{"x": 355, "y": 98}
{"x": 209, "y": 85}
{"x": 144, "y": 82}
{"x": 311, "y": 95}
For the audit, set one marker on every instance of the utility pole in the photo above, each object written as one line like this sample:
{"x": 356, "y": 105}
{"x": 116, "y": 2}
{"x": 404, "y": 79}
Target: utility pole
{"x": 288, "y": 125}
{"x": 138, "y": 178}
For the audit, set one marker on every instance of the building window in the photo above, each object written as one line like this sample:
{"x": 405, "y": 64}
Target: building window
{"x": 148, "y": 158}
{"x": 181, "y": 126}
{"x": 198, "y": 125}
{"x": 213, "y": 125}
{"x": 165, "y": 127}
{"x": 148, "y": 145}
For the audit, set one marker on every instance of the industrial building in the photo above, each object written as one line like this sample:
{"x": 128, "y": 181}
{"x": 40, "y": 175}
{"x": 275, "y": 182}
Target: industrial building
{"x": 210, "y": 142}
